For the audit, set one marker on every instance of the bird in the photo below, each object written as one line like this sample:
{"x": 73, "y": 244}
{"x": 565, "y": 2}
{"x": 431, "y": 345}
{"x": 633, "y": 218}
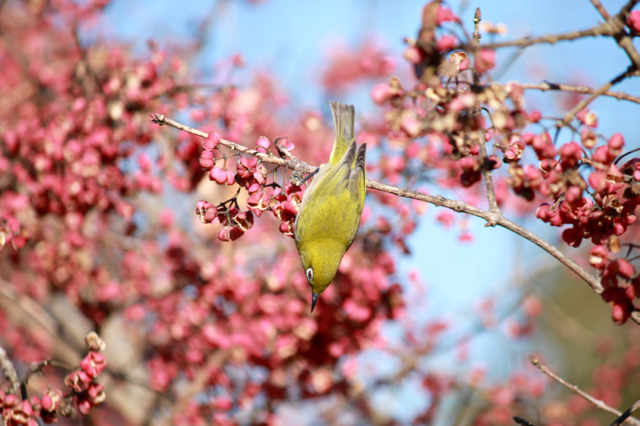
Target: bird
{"x": 329, "y": 215}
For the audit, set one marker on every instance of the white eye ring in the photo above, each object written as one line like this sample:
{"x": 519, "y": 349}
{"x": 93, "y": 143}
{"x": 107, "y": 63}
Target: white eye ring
{"x": 310, "y": 275}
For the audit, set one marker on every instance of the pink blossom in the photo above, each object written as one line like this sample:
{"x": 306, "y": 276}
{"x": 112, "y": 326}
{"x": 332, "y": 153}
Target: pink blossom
{"x": 633, "y": 20}
{"x": 445, "y": 15}
{"x": 485, "y": 60}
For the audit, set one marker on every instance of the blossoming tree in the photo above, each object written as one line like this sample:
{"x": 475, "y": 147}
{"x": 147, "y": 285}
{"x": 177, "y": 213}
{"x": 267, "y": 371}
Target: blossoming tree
{"x": 118, "y": 306}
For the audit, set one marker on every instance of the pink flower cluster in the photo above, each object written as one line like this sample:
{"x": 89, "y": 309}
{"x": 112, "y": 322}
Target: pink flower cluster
{"x": 85, "y": 393}
{"x": 250, "y": 175}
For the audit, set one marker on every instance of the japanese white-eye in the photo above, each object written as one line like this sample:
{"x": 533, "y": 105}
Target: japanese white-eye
{"x": 329, "y": 215}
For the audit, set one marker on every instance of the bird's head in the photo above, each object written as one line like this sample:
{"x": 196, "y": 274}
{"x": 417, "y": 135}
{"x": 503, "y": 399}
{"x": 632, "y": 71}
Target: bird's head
{"x": 320, "y": 261}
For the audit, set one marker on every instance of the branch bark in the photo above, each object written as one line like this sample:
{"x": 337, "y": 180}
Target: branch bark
{"x": 616, "y": 25}
{"x": 601, "y": 30}
{"x": 630, "y": 72}
{"x": 575, "y": 389}
{"x": 579, "y": 89}
{"x": 10, "y": 372}
{"x": 486, "y": 174}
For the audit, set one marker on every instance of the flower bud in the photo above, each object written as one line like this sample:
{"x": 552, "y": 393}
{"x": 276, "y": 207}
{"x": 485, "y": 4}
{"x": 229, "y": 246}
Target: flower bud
{"x": 287, "y": 228}
{"x": 535, "y": 116}
{"x": 542, "y": 212}
{"x": 445, "y": 15}
{"x": 244, "y": 220}
{"x": 413, "y": 54}
{"x": 598, "y": 256}
{"x": 212, "y": 141}
{"x": 51, "y": 400}
{"x": 485, "y": 60}
{"x": 206, "y": 159}
{"x": 446, "y": 42}
{"x": 94, "y": 342}
{"x": 93, "y": 364}
{"x": 633, "y": 20}
{"x": 263, "y": 144}
{"x": 615, "y": 144}
{"x": 625, "y": 268}
{"x": 381, "y": 93}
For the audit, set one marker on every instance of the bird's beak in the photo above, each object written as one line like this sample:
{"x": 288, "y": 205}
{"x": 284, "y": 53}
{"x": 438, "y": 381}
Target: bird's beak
{"x": 314, "y": 299}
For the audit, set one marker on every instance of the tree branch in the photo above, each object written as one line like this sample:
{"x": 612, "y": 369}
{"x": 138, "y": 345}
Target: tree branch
{"x": 486, "y": 173}
{"x": 631, "y": 71}
{"x": 616, "y": 25}
{"x": 575, "y": 389}
{"x": 10, "y": 372}
{"x": 601, "y": 30}
{"x": 624, "y": 416}
{"x": 600, "y": 9}
{"x": 492, "y": 218}
{"x": 579, "y": 89}
{"x": 612, "y": 27}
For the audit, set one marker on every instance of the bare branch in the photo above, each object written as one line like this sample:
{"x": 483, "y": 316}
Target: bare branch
{"x": 601, "y": 30}
{"x": 575, "y": 389}
{"x": 600, "y": 8}
{"x": 626, "y": 414}
{"x": 631, "y": 71}
{"x": 499, "y": 220}
{"x": 613, "y": 27}
{"x": 621, "y": 96}
{"x": 37, "y": 367}
{"x": 522, "y": 421}
{"x": 10, "y": 372}
{"x": 296, "y": 165}
{"x": 616, "y": 25}
{"x": 486, "y": 173}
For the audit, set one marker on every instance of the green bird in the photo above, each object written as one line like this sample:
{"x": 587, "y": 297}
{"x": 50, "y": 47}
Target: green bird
{"x": 329, "y": 216}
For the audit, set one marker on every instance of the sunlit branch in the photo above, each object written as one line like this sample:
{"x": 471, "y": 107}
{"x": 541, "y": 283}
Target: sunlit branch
{"x": 486, "y": 173}
{"x": 9, "y": 371}
{"x": 602, "y": 30}
{"x": 617, "y": 26}
{"x": 624, "y": 416}
{"x": 575, "y": 389}
{"x": 621, "y": 96}
{"x": 631, "y": 71}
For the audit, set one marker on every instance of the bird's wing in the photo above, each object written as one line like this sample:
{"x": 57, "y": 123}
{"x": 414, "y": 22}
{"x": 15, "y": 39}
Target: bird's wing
{"x": 337, "y": 177}
{"x": 358, "y": 176}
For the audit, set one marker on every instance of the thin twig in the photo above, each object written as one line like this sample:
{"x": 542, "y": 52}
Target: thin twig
{"x": 38, "y": 366}
{"x": 575, "y": 389}
{"x": 624, "y": 416}
{"x": 601, "y": 30}
{"x": 600, "y": 9}
{"x": 522, "y": 421}
{"x": 492, "y": 218}
{"x": 162, "y": 120}
{"x": 616, "y": 25}
{"x": 10, "y": 372}
{"x": 631, "y": 71}
{"x": 621, "y": 96}
{"x": 486, "y": 173}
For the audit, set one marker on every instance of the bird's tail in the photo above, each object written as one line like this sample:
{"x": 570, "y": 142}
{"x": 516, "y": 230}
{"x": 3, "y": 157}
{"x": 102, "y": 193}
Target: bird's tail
{"x": 343, "y": 119}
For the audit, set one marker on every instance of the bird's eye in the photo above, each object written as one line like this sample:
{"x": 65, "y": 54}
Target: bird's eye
{"x": 310, "y": 275}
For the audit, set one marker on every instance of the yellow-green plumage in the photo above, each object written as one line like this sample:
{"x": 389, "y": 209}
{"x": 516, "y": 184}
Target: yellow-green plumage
{"x": 329, "y": 216}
